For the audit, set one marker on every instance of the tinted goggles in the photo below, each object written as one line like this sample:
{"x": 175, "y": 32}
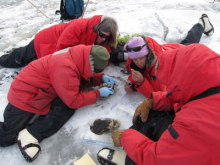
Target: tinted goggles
{"x": 102, "y": 35}
{"x": 135, "y": 49}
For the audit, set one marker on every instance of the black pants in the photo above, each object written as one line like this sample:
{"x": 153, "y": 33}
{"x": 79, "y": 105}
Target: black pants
{"x": 19, "y": 57}
{"x": 194, "y": 35}
{"x": 42, "y": 127}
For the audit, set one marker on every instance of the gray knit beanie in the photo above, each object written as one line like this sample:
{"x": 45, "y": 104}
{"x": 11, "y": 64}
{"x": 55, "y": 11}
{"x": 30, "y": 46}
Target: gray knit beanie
{"x": 99, "y": 56}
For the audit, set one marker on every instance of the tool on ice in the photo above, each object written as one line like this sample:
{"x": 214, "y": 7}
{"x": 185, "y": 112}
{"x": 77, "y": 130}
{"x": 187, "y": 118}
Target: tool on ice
{"x": 95, "y": 142}
{"x": 118, "y": 101}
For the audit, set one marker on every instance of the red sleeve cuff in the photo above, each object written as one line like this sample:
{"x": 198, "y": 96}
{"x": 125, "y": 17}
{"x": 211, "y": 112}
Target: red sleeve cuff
{"x": 97, "y": 93}
{"x": 138, "y": 84}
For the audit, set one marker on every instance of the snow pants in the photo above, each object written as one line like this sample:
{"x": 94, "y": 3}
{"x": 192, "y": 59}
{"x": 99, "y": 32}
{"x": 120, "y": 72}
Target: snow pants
{"x": 194, "y": 35}
{"x": 42, "y": 127}
{"x": 19, "y": 57}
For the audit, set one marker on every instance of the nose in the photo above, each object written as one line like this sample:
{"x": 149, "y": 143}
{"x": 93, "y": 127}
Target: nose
{"x": 102, "y": 39}
{"x": 139, "y": 62}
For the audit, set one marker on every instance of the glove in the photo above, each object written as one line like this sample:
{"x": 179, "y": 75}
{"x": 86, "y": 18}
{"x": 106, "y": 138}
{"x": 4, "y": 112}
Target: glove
{"x": 105, "y": 92}
{"x": 116, "y": 137}
{"x": 109, "y": 81}
{"x": 143, "y": 110}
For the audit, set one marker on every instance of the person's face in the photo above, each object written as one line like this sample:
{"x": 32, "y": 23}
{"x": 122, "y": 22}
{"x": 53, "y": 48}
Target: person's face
{"x": 102, "y": 36}
{"x": 140, "y": 62}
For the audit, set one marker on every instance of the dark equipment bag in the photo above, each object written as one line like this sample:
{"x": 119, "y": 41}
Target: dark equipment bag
{"x": 117, "y": 54}
{"x": 70, "y": 9}
{"x": 157, "y": 123}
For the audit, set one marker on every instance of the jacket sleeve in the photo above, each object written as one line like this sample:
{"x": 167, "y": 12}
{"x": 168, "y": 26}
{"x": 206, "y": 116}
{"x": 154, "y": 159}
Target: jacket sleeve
{"x": 97, "y": 80}
{"x": 166, "y": 151}
{"x": 137, "y": 146}
{"x": 70, "y": 36}
{"x": 146, "y": 88}
{"x": 67, "y": 85}
{"x": 161, "y": 102}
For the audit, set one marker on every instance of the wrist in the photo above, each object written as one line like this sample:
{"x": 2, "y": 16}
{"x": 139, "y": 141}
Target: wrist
{"x": 140, "y": 83}
{"x": 141, "y": 80}
{"x": 97, "y": 92}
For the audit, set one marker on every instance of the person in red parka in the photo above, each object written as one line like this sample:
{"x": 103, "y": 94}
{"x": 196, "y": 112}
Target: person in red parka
{"x": 98, "y": 30}
{"x": 143, "y": 53}
{"x": 52, "y": 87}
{"x": 193, "y": 137}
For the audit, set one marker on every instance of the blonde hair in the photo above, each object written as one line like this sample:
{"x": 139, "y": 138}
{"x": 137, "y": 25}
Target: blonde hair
{"x": 108, "y": 24}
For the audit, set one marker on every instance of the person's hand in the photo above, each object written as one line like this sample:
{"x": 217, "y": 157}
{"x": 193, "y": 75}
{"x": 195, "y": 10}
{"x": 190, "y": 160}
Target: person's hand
{"x": 136, "y": 76}
{"x": 143, "y": 110}
{"x": 128, "y": 87}
{"x": 116, "y": 137}
{"x": 109, "y": 81}
{"x": 105, "y": 92}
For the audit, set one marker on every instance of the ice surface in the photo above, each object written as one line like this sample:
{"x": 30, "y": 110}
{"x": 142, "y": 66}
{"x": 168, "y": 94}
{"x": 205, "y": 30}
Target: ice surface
{"x": 19, "y": 23}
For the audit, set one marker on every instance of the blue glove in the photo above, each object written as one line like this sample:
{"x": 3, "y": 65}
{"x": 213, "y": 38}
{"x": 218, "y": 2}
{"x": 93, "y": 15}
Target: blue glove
{"x": 109, "y": 81}
{"x": 105, "y": 92}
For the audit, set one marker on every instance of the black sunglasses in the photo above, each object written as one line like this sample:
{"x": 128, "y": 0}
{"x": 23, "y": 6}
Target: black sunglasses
{"x": 102, "y": 35}
{"x": 98, "y": 70}
{"x": 135, "y": 49}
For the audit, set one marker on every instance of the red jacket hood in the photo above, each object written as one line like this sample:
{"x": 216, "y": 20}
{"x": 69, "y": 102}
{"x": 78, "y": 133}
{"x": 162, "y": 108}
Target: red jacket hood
{"x": 81, "y": 57}
{"x": 80, "y": 54}
{"x": 200, "y": 66}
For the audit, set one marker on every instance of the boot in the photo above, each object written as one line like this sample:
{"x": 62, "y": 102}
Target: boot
{"x": 28, "y": 145}
{"x": 206, "y": 24}
{"x": 107, "y": 156}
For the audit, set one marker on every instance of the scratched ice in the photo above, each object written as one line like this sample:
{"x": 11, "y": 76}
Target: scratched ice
{"x": 151, "y": 18}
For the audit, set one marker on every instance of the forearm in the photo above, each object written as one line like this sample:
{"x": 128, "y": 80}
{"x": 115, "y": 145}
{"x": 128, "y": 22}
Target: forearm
{"x": 145, "y": 88}
{"x": 136, "y": 145}
{"x": 82, "y": 99}
{"x": 161, "y": 102}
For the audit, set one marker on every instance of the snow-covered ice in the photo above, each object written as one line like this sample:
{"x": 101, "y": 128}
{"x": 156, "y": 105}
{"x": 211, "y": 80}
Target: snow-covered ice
{"x": 20, "y": 21}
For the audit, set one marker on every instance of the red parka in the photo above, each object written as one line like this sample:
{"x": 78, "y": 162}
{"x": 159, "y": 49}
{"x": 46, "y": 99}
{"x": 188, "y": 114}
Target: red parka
{"x": 150, "y": 84}
{"x": 61, "y": 75}
{"x": 187, "y": 72}
{"x": 61, "y": 36}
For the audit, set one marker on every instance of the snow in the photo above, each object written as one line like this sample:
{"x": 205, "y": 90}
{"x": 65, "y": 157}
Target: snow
{"x": 20, "y": 21}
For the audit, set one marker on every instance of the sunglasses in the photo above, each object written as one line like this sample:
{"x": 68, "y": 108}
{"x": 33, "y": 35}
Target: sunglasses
{"x": 102, "y": 35}
{"x": 135, "y": 49}
{"x": 98, "y": 70}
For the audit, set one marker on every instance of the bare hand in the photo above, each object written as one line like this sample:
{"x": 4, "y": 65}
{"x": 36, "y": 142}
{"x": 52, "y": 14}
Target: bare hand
{"x": 128, "y": 88}
{"x": 136, "y": 76}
